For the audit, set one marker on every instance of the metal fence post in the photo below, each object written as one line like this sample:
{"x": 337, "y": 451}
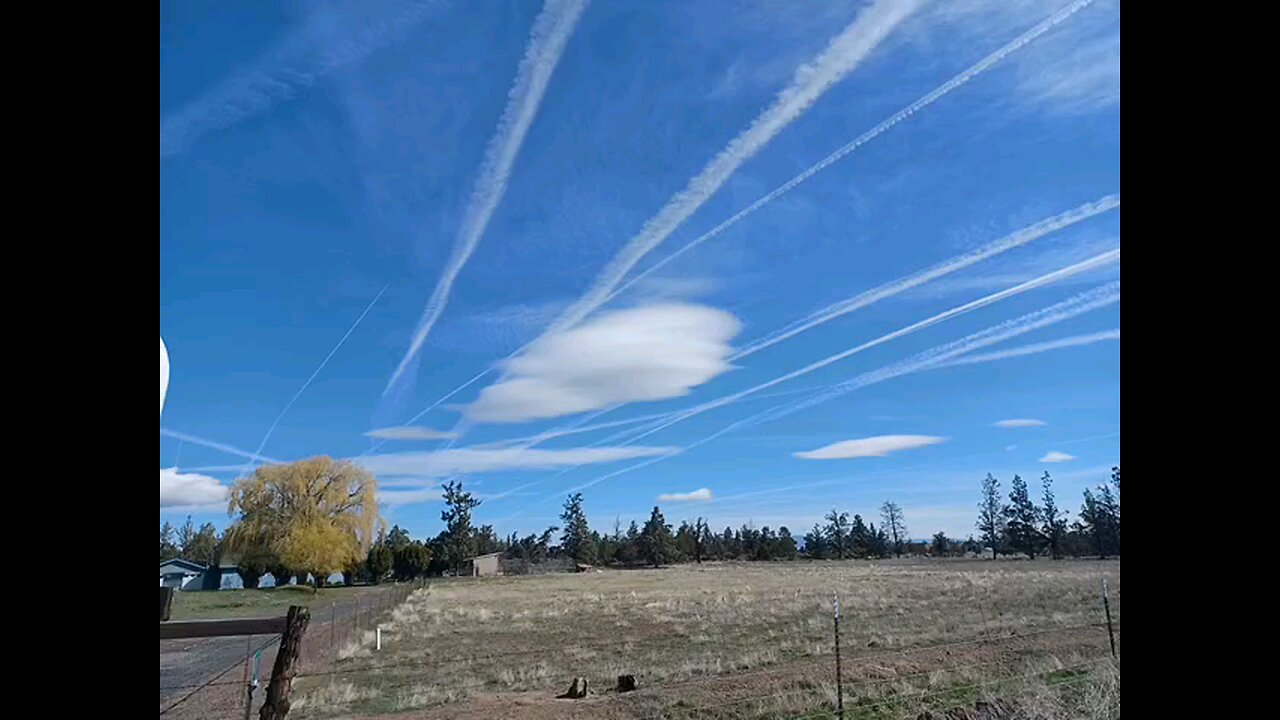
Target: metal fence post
{"x": 248, "y": 687}
{"x": 839, "y": 677}
{"x": 1106, "y": 607}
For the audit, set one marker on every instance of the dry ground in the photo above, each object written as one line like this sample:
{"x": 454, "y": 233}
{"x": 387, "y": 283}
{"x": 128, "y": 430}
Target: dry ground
{"x": 740, "y": 640}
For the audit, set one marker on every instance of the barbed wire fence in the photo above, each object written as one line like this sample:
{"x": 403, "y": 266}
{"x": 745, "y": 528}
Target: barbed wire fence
{"x": 342, "y": 646}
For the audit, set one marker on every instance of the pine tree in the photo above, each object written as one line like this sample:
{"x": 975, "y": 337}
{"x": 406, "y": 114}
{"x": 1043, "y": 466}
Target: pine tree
{"x": 1053, "y": 522}
{"x": 458, "y": 536}
{"x": 815, "y": 543}
{"x": 575, "y": 541}
{"x": 941, "y": 546}
{"x": 1022, "y": 519}
{"x": 860, "y": 540}
{"x": 657, "y": 544}
{"x": 895, "y": 524}
{"x": 990, "y": 515}
{"x": 838, "y": 532}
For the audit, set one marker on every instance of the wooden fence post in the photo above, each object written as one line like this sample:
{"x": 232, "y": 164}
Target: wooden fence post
{"x": 166, "y": 603}
{"x": 276, "y": 705}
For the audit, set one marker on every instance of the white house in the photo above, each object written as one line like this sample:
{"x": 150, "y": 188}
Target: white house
{"x": 181, "y": 574}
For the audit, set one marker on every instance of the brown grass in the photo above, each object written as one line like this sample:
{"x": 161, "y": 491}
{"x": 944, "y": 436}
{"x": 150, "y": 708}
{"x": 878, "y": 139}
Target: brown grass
{"x": 740, "y": 640}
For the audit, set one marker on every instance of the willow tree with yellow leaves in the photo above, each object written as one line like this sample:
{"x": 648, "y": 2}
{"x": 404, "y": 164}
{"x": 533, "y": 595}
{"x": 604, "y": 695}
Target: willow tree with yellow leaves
{"x": 316, "y": 515}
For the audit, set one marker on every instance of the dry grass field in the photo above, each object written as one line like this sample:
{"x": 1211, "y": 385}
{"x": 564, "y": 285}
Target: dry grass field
{"x": 750, "y": 640}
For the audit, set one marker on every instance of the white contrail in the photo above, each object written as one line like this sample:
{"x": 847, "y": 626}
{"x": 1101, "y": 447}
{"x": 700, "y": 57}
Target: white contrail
{"x": 315, "y": 373}
{"x": 1046, "y": 279}
{"x": 928, "y": 99}
{"x": 214, "y": 445}
{"x": 1085, "y": 302}
{"x": 1036, "y": 348}
{"x": 844, "y": 53}
{"x": 306, "y": 57}
{"x": 551, "y": 32}
{"x": 896, "y": 287}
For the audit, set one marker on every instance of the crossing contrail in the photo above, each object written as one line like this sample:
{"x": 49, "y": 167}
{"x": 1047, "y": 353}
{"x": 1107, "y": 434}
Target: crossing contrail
{"x": 551, "y": 32}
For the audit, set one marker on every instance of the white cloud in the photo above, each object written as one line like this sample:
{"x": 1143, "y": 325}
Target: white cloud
{"x": 1056, "y": 457}
{"x": 645, "y": 353}
{"x": 1010, "y": 448}
{"x": 878, "y": 446}
{"x": 408, "y": 497}
{"x": 410, "y": 432}
{"x": 189, "y": 489}
{"x": 464, "y": 461}
{"x": 1019, "y": 423}
{"x": 700, "y": 495}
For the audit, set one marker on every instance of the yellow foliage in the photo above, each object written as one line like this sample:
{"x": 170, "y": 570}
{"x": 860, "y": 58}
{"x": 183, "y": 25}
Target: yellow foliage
{"x": 315, "y": 514}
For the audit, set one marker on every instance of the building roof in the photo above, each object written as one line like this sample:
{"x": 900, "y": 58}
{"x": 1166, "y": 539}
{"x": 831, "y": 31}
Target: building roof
{"x": 477, "y": 557}
{"x": 183, "y": 565}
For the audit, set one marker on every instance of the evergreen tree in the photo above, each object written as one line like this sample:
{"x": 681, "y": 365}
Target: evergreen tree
{"x": 1053, "y": 522}
{"x": 458, "y": 537}
{"x": 838, "y": 532}
{"x": 895, "y": 524}
{"x": 991, "y": 515}
{"x": 941, "y": 546}
{"x": 168, "y": 548}
{"x": 785, "y": 546}
{"x": 860, "y": 540}
{"x": 575, "y": 540}
{"x": 1022, "y": 519}
{"x": 657, "y": 544}
{"x": 815, "y": 543}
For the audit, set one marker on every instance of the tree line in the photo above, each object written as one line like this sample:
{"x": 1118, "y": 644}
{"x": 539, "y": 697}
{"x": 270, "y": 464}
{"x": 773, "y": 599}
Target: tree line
{"x": 1022, "y": 526}
{"x": 318, "y": 517}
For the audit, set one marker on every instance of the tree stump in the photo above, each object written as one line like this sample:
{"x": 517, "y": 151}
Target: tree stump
{"x": 626, "y": 683}
{"x": 577, "y": 689}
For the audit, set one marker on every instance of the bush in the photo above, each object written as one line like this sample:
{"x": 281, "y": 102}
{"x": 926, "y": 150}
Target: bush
{"x": 411, "y": 561}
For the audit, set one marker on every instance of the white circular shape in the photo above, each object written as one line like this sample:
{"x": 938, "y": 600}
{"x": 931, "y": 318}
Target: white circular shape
{"x": 164, "y": 374}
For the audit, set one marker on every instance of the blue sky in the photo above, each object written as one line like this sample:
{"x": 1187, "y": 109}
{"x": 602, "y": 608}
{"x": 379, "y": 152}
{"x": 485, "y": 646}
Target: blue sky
{"x": 642, "y": 250}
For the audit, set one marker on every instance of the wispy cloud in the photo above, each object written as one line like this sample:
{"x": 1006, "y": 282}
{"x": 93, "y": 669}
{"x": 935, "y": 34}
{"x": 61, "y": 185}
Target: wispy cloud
{"x": 214, "y": 445}
{"x": 193, "y": 490}
{"x": 1019, "y": 423}
{"x": 637, "y": 354}
{"x": 1037, "y": 348}
{"x": 885, "y": 125}
{"x": 1072, "y": 307}
{"x": 332, "y": 38}
{"x": 398, "y": 498}
{"x": 1076, "y": 74}
{"x": 551, "y": 32}
{"x": 699, "y": 495}
{"x": 465, "y": 461}
{"x": 928, "y": 99}
{"x": 1054, "y": 456}
{"x": 1016, "y": 239}
{"x": 1107, "y": 294}
{"x": 285, "y": 410}
{"x": 842, "y": 56}
{"x": 410, "y": 432}
{"x": 878, "y": 446}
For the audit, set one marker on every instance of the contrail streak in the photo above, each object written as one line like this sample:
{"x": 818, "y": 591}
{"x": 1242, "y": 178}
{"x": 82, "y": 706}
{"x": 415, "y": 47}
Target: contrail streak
{"x": 551, "y": 32}
{"x": 315, "y": 373}
{"x": 928, "y": 99}
{"x": 309, "y": 55}
{"x": 1085, "y": 302}
{"x": 1046, "y": 279}
{"x": 1036, "y": 348}
{"x": 845, "y": 52}
{"x": 215, "y": 445}
{"x": 896, "y": 287}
